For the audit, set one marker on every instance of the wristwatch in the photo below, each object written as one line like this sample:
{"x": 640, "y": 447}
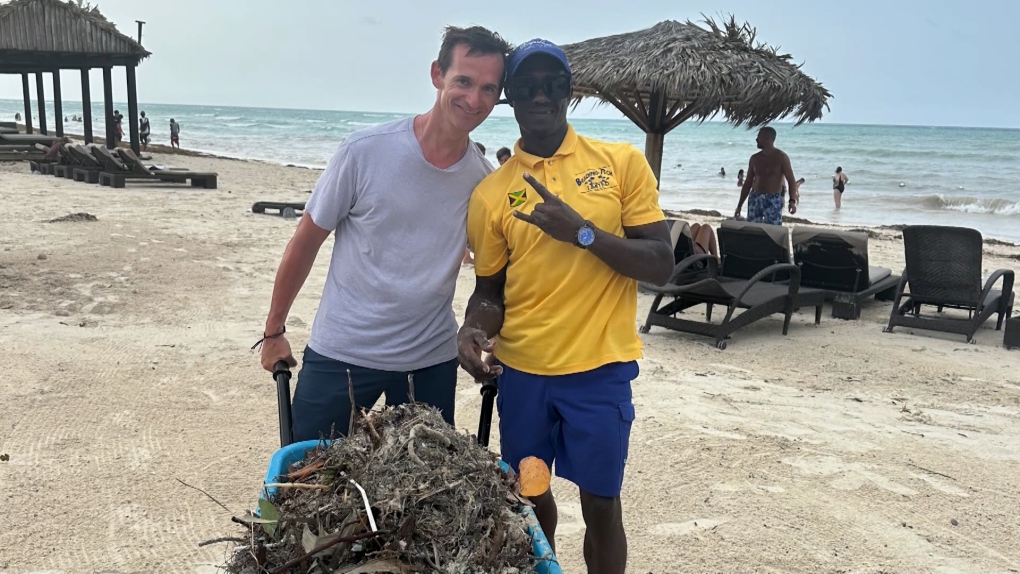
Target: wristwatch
{"x": 585, "y": 235}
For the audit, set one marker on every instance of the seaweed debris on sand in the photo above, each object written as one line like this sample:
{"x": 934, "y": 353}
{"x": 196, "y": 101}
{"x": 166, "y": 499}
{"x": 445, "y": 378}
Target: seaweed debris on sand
{"x": 439, "y": 502}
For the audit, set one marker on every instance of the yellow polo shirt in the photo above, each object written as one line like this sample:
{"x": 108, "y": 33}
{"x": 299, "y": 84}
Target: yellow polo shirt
{"x": 566, "y": 310}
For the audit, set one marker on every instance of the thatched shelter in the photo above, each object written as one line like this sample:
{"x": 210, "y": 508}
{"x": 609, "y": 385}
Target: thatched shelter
{"x": 46, "y": 36}
{"x": 672, "y": 72}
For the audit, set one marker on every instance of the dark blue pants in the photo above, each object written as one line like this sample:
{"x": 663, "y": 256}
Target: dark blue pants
{"x": 321, "y": 403}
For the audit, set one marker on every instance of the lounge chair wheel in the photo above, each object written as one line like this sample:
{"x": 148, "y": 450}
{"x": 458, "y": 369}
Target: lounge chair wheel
{"x": 288, "y": 213}
{"x": 886, "y": 330}
{"x": 644, "y": 329}
{"x": 721, "y": 345}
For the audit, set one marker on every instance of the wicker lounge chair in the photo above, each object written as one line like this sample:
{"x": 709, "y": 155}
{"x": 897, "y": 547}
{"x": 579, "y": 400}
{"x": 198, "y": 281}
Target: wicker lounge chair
{"x": 944, "y": 270}
{"x": 837, "y": 261}
{"x": 754, "y": 273}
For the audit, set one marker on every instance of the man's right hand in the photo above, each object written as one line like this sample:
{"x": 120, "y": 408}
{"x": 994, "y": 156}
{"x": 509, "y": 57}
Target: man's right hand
{"x": 276, "y": 349}
{"x": 471, "y": 343}
{"x": 736, "y": 214}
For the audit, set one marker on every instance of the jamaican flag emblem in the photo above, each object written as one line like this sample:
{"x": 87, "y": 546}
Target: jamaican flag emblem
{"x": 517, "y": 198}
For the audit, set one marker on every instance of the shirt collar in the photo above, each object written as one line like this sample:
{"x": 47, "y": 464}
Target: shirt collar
{"x": 566, "y": 148}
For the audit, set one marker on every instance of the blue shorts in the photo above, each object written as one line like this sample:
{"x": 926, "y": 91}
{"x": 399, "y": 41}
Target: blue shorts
{"x": 765, "y": 208}
{"x": 579, "y": 424}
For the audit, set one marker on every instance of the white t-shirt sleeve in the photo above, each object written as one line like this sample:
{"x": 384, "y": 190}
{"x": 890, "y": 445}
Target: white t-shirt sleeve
{"x": 336, "y": 190}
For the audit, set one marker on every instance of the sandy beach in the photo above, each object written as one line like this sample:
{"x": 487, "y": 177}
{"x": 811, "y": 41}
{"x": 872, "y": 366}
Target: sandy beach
{"x": 125, "y": 344}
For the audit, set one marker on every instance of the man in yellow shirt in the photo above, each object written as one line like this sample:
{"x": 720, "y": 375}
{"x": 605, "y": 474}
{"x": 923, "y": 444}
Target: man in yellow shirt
{"x": 561, "y": 233}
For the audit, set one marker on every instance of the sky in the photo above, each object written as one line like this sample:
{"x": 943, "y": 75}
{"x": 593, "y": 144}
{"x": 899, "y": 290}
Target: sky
{"x": 942, "y": 62}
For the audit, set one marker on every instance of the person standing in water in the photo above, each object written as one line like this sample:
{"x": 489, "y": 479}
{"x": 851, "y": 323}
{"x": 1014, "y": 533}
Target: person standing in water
{"x": 839, "y": 181}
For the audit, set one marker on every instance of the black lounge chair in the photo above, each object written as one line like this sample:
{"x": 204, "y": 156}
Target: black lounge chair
{"x": 754, "y": 273}
{"x": 837, "y": 261}
{"x": 286, "y": 210}
{"x": 944, "y": 270}
{"x": 134, "y": 169}
{"x": 683, "y": 247}
{"x": 88, "y": 167}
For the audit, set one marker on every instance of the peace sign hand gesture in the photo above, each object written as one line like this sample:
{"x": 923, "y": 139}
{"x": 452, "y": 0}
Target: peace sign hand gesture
{"x": 552, "y": 215}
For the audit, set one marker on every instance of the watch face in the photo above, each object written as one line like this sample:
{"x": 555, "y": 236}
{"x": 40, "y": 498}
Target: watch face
{"x": 586, "y": 236}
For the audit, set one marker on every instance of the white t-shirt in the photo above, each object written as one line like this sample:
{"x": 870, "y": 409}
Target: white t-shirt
{"x": 400, "y": 234}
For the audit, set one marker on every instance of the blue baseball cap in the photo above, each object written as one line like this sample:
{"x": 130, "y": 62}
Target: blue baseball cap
{"x": 532, "y": 47}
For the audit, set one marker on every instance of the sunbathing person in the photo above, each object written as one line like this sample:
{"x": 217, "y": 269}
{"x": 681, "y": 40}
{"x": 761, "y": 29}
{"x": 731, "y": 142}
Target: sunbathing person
{"x": 704, "y": 239}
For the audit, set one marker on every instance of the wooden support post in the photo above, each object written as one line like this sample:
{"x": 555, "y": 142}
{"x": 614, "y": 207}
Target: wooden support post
{"x": 86, "y": 105}
{"x": 58, "y": 108}
{"x": 133, "y": 107}
{"x": 40, "y": 94}
{"x": 655, "y": 134}
{"x": 111, "y": 124}
{"x": 653, "y": 152}
{"x": 28, "y": 103}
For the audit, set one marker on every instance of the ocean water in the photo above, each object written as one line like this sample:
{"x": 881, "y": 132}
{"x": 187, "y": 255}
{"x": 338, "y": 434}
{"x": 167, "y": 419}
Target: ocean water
{"x": 898, "y": 175}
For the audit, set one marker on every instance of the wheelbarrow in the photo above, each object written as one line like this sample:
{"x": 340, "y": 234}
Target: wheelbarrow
{"x": 291, "y": 452}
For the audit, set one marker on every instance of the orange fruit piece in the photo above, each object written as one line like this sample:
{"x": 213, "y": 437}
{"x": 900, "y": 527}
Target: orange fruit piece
{"x": 533, "y": 476}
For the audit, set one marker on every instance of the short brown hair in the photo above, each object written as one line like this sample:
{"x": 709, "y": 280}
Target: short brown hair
{"x": 479, "y": 40}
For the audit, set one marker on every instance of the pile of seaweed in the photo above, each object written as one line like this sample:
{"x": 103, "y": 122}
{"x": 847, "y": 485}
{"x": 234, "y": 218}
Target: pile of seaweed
{"x": 403, "y": 492}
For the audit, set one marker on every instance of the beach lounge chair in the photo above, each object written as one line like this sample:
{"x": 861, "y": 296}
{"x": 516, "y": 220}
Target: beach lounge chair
{"x": 944, "y": 270}
{"x": 129, "y": 167}
{"x": 753, "y": 273}
{"x": 683, "y": 247}
{"x": 837, "y": 261}
{"x": 88, "y": 167}
{"x": 285, "y": 209}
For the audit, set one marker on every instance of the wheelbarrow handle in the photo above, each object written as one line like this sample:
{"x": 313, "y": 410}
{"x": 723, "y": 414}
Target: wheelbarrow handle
{"x": 488, "y": 391}
{"x": 281, "y": 372}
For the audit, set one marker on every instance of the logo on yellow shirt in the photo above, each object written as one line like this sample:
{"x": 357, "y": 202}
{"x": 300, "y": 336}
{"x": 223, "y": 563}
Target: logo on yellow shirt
{"x": 594, "y": 179}
{"x": 517, "y": 198}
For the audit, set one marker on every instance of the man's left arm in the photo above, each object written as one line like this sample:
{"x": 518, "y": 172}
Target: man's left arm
{"x": 643, "y": 253}
{"x": 791, "y": 183}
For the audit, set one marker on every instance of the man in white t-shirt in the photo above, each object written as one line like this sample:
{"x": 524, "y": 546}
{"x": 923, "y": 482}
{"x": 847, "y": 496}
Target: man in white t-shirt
{"x": 396, "y": 195}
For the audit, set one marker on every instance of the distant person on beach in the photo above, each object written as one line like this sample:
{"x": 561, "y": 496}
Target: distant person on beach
{"x": 796, "y": 186}
{"x": 558, "y": 254}
{"x": 503, "y": 154}
{"x": 722, "y": 172}
{"x": 118, "y": 124}
{"x": 481, "y": 147}
{"x": 740, "y": 178}
{"x": 395, "y": 195}
{"x": 17, "y": 117}
{"x": 839, "y": 181}
{"x": 143, "y": 131}
{"x": 53, "y": 151}
{"x": 766, "y": 171}
{"x": 175, "y": 134}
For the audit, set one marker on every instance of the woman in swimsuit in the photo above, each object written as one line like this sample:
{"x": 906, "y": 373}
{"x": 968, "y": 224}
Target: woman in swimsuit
{"x": 839, "y": 180}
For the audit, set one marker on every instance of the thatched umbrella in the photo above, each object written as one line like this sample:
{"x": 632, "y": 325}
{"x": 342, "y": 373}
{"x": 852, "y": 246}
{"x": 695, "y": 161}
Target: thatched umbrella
{"x": 664, "y": 75}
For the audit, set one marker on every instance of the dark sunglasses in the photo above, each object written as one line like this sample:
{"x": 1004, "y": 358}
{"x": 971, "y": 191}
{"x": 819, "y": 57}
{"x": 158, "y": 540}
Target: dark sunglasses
{"x": 525, "y": 88}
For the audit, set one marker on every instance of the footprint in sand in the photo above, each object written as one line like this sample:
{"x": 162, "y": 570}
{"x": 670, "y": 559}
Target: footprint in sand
{"x": 848, "y": 476}
{"x": 571, "y": 521}
{"x": 685, "y": 528}
{"x": 717, "y": 432}
{"x": 747, "y": 486}
{"x": 941, "y": 485}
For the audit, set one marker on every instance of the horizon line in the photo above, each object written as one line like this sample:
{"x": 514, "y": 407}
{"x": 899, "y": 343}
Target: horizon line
{"x": 626, "y": 120}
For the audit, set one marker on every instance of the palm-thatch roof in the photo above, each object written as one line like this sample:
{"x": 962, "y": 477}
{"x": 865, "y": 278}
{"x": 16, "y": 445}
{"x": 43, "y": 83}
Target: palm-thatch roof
{"x": 45, "y": 35}
{"x": 662, "y": 76}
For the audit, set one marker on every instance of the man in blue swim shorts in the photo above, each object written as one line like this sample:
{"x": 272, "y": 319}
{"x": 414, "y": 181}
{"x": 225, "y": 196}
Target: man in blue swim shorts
{"x": 766, "y": 172}
{"x": 562, "y": 233}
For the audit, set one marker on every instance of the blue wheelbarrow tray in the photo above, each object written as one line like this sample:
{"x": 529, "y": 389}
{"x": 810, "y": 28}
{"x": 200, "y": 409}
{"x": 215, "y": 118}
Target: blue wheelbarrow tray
{"x": 545, "y": 560}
